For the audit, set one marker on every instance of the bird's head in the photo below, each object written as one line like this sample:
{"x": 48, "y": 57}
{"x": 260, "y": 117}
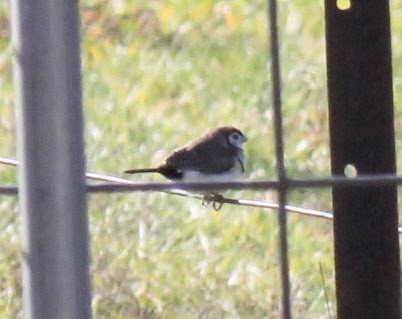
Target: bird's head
{"x": 231, "y": 136}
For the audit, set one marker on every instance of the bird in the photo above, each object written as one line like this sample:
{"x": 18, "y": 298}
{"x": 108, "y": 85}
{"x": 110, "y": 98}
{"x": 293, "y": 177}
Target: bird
{"x": 217, "y": 156}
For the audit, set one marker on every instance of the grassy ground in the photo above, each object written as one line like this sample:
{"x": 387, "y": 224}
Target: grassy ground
{"x": 156, "y": 74}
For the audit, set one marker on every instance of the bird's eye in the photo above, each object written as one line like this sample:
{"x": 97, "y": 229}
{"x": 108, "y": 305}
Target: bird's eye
{"x": 235, "y": 139}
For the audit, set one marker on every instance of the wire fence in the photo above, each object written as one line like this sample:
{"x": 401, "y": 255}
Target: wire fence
{"x": 282, "y": 185}
{"x": 114, "y": 184}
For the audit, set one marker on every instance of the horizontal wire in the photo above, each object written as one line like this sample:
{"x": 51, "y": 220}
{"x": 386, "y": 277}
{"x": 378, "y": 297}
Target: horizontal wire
{"x": 122, "y": 186}
{"x": 329, "y": 181}
{"x": 169, "y": 188}
{"x": 11, "y": 190}
{"x": 240, "y": 202}
{"x": 362, "y": 181}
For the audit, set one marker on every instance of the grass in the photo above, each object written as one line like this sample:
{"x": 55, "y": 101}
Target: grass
{"x": 157, "y": 74}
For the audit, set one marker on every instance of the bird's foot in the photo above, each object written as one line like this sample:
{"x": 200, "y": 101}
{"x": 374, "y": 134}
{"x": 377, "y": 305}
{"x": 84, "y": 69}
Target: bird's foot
{"x": 215, "y": 199}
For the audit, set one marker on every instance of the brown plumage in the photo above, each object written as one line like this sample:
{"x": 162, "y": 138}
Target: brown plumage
{"x": 216, "y": 153}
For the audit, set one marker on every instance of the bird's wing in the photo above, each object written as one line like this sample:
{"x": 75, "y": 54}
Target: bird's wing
{"x": 208, "y": 158}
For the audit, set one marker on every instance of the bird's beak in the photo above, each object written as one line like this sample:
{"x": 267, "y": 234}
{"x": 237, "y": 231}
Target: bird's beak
{"x": 245, "y": 139}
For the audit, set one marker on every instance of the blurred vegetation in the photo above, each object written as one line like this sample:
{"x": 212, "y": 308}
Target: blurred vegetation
{"x": 157, "y": 74}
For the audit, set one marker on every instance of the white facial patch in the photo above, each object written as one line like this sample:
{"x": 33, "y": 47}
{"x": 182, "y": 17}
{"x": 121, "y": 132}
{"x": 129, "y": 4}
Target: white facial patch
{"x": 236, "y": 139}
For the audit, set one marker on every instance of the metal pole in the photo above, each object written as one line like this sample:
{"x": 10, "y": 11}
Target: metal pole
{"x": 362, "y": 134}
{"x": 50, "y": 144}
{"x": 280, "y": 159}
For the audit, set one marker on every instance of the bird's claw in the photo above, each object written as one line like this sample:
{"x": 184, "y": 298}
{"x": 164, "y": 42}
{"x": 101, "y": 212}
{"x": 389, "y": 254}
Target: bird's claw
{"x": 215, "y": 199}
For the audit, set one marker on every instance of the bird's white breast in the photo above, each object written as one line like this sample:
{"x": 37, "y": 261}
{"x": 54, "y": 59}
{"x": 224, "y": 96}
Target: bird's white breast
{"x": 233, "y": 174}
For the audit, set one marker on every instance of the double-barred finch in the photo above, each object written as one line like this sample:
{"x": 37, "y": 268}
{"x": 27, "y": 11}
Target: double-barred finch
{"x": 215, "y": 157}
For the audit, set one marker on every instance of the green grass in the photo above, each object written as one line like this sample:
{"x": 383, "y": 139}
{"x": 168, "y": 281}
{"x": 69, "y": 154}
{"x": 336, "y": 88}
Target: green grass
{"x": 156, "y": 74}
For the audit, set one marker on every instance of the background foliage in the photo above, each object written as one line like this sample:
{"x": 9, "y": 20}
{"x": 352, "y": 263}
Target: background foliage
{"x": 157, "y": 74}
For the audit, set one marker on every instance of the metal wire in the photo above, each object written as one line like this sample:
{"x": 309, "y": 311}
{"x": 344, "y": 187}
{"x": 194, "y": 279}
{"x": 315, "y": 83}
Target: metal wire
{"x": 282, "y": 185}
{"x": 116, "y": 184}
{"x": 280, "y": 162}
{"x": 122, "y": 185}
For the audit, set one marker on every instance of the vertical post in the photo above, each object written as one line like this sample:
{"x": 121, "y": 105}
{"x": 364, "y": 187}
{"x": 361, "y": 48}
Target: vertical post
{"x": 50, "y": 144}
{"x": 280, "y": 159}
{"x": 362, "y": 135}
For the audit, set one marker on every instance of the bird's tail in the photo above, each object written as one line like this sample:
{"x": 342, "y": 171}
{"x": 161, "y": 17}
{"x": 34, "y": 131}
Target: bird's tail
{"x": 142, "y": 170}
